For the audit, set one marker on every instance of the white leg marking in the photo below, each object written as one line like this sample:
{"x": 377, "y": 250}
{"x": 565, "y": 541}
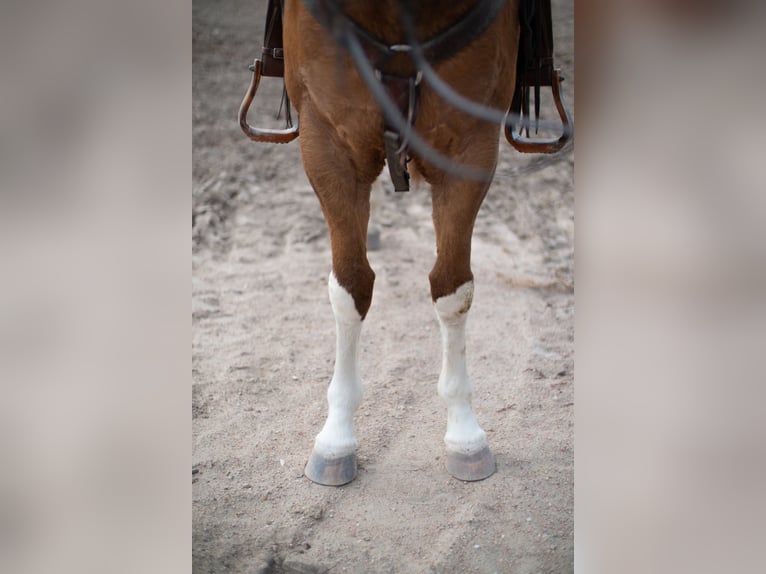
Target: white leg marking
{"x": 337, "y": 438}
{"x": 464, "y": 434}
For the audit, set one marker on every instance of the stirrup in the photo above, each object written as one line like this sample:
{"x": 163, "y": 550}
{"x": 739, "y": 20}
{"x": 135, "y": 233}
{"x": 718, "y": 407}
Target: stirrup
{"x": 258, "y": 134}
{"x": 543, "y": 145}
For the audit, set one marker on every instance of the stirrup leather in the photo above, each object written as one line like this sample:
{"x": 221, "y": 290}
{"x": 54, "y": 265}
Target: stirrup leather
{"x": 272, "y": 64}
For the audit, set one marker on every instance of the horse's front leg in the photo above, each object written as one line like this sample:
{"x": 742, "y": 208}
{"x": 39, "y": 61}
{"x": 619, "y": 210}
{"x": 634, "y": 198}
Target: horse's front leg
{"x": 468, "y": 454}
{"x": 455, "y": 207}
{"x": 333, "y": 460}
{"x": 344, "y": 194}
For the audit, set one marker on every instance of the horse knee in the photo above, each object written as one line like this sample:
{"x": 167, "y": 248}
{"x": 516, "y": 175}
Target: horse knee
{"x": 454, "y": 307}
{"x": 356, "y": 283}
{"x": 445, "y": 281}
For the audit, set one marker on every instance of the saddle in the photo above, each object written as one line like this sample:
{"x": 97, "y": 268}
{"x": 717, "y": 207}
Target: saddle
{"x": 534, "y": 70}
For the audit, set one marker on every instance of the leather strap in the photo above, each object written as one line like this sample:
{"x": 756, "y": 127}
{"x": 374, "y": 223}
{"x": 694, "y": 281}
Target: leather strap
{"x": 534, "y": 65}
{"x": 404, "y": 93}
{"x": 272, "y": 54}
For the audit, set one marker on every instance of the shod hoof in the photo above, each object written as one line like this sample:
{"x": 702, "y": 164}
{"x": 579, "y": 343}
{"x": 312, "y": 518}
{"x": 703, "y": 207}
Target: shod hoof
{"x": 471, "y": 467}
{"x": 331, "y": 471}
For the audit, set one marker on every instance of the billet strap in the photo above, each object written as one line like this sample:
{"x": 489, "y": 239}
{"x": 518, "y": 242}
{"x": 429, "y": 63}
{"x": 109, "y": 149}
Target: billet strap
{"x": 272, "y": 53}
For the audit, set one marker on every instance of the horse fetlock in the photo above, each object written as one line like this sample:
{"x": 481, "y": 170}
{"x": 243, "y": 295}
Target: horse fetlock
{"x": 344, "y": 399}
{"x": 462, "y": 442}
{"x": 463, "y": 431}
{"x": 336, "y": 439}
{"x": 455, "y": 388}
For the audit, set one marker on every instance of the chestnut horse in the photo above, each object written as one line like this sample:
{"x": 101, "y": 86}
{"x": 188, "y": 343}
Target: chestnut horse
{"x": 343, "y": 152}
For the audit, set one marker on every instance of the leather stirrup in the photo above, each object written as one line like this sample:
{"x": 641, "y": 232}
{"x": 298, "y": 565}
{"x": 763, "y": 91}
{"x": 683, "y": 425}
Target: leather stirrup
{"x": 534, "y": 68}
{"x": 272, "y": 64}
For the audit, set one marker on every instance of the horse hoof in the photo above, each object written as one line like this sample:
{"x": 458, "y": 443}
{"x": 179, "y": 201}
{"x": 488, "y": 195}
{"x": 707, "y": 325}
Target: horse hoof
{"x": 331, "y": 471}
{"x": 471, "y": 467}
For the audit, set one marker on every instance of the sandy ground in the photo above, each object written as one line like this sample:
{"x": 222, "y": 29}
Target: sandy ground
{"x": 263, "y": 351}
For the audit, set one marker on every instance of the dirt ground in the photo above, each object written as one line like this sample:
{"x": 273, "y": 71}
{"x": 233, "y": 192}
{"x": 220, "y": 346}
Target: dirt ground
{"x": 263, "y": 351}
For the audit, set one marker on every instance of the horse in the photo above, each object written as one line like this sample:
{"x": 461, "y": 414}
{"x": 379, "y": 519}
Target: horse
{"x": 346, "y": 138}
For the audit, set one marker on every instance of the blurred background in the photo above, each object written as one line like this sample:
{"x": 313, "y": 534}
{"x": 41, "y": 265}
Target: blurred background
{"x": 670, "y": 253}
{"x": 95, "y": 148}
{"x": 95, "y": 180}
